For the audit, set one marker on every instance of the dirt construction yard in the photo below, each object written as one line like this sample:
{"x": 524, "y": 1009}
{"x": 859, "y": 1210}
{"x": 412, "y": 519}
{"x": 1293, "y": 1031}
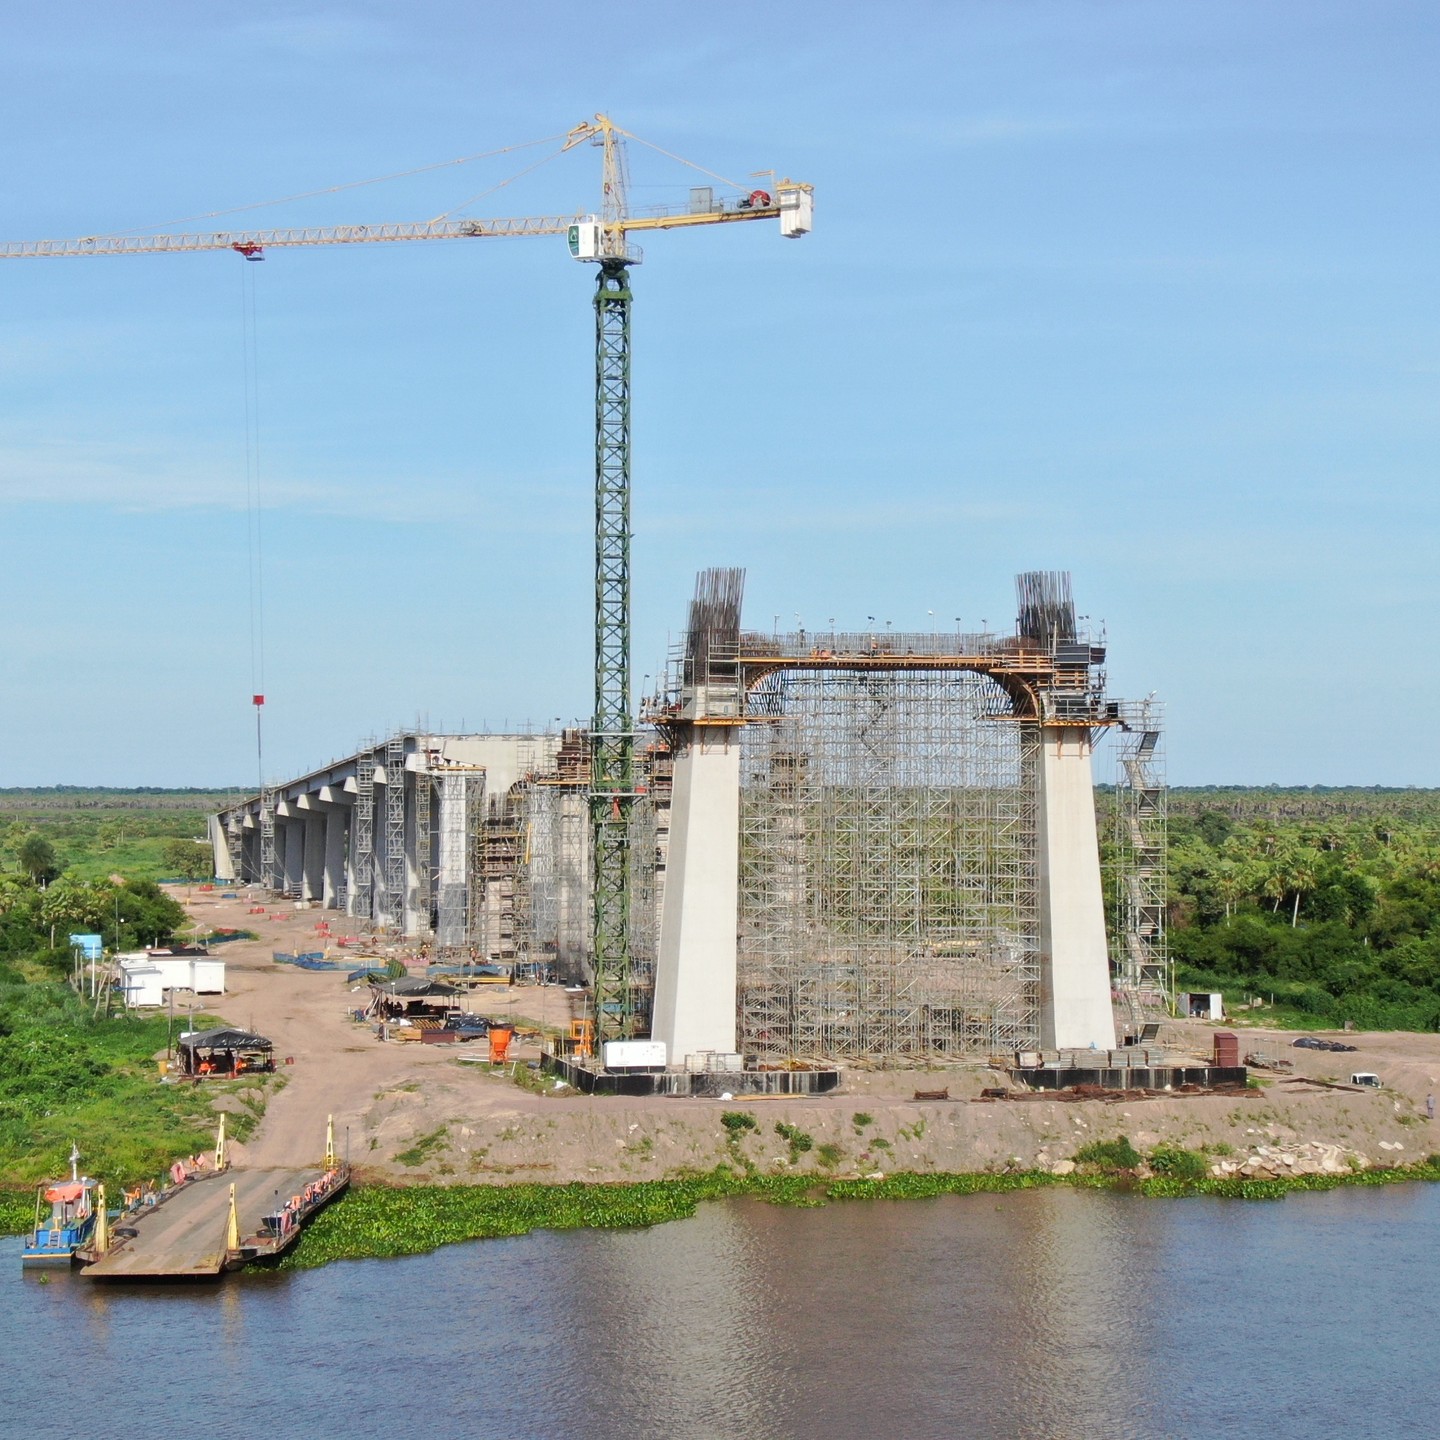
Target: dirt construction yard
{"x": 409, "y": 1111}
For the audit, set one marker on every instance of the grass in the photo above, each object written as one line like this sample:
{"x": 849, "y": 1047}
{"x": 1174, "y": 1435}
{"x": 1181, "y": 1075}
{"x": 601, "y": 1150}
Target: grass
{"x": 798, "y": 1140}
{"x": 376, "y": 1222}
{"x": 424, "y": 1147}
{"x": 17, "y": 1211}
{"x": 67, "y": 1078}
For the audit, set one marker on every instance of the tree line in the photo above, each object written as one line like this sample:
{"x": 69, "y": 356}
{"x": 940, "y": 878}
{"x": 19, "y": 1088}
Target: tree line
{"x": 1335, "y": 913}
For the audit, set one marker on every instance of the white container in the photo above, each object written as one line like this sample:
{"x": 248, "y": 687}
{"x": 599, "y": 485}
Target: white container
{"x": 634, "y": 1054}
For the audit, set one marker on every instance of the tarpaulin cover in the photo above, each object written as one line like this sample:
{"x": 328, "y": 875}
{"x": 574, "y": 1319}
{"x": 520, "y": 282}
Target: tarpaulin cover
{"x": 224, "y": 1039}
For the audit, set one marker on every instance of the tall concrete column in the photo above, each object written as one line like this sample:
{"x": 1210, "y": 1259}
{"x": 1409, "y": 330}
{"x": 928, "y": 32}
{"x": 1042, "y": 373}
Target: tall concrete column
{"x": 220, "y": 849}
{"x": 313, "y": 884}
{"x": 250, "y": 854}
{"x": 695, "y": 975}
{"x": 451, "y": 862}
{"x": 291, "y": 833}
{"x": 334, "y": 878}
{"x": 1075, "y": 1009}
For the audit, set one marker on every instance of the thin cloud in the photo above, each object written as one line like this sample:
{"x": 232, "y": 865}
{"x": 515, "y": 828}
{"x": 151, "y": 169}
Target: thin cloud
{"x": 144, "y": 480}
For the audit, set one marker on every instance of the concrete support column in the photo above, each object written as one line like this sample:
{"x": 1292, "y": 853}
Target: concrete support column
{"x": 250, "y": 855}
{"x": 313, "y": 884}
{"x": 695, "y": 974}
{"x": 1075, "y": 1009}
{"x": 220, "y": 850}
{"x": 451, "y": 861}
{"x": 334, "y": 873}
{"x": 290, "y": 840}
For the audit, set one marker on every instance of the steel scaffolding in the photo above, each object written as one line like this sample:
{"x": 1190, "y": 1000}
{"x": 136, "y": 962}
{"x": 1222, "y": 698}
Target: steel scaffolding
{"x": 363, "y": 836}
{"x": 393, "y": 909}
{"x": 423, "y": 901}
{"x": 889, "y": 896}
{"x": 270, "y": 876}
{"x": 450, "y": 920}
{"x": 1138, "y": 935}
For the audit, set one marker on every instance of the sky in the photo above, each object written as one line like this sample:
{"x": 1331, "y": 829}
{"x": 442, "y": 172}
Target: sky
{"x": 1142, "y": 291}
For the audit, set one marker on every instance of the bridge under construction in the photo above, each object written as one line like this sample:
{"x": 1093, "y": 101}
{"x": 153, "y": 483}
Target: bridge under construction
{"x": 908, "y": 818}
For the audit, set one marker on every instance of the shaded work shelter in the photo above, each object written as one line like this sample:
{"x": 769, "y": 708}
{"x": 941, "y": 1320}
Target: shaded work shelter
{"x": 224, "y": 1052}
{"x": 411, "y": 996}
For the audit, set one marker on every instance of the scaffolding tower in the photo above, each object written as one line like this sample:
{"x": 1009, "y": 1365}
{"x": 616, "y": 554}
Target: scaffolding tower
{"x": 422, "y": 900}
{"x": 269, "y": 862}
{"x": 363, "y": 836}
{"x": 393, "y": 909}
{"x": 889, "y": 904}
{"x": 1140, "y": 950}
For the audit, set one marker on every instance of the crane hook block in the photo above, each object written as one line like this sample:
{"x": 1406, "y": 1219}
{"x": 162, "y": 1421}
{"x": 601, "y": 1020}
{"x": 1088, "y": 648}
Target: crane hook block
{"x": 249, "y": 249}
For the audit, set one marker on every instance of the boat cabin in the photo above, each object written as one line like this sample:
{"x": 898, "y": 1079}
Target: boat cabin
{"x": 68, "y": 1226}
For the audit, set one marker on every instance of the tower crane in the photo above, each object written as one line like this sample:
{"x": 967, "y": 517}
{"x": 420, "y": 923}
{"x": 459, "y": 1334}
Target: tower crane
{"x": 602, "y": 240}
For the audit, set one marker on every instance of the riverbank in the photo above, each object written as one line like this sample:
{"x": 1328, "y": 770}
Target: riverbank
{"x": 390, "y": 1221}
{"x": 381, "y": 1222}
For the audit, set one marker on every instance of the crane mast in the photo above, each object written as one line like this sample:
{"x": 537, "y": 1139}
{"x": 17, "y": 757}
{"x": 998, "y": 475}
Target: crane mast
{"x": 612, "y": 732}
{"x": 604, "y": 240}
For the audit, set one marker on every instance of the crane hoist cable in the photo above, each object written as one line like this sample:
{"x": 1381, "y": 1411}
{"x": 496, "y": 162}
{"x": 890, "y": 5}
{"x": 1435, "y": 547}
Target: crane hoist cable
{"x": 254, "y": 509}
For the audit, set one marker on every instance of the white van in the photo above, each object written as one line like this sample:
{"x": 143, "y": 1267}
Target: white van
{"x": 1365, "y": 1077}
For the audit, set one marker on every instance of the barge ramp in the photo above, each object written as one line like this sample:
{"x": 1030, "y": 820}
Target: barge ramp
{"x": 185, "y": 1237}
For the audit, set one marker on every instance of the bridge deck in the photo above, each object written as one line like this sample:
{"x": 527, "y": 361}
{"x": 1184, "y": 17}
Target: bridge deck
{"x": 185, "y": 1237}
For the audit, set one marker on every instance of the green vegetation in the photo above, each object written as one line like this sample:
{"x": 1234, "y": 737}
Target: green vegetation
{"x": 67, "y": 1077}
{"x": 424, "y": 1147}
{"x": 861, "y": 1118}
{"x": 91, "y": 834}
{"x": 85, "y": 861}
{"x": 1178, "y": 1162}
{"x": 797, "y": 1139}
{"x": 1110, "y": 1157}
{"x": 1325, "y": 901}
{"x": 375, "y": 1222}
{"x": 17, "y": 1211}
{"x": 738, "y": 1121}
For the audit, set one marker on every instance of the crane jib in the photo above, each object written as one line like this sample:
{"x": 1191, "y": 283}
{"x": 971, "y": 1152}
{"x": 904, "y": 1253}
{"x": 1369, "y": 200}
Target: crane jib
{"x": 246, "y": 240}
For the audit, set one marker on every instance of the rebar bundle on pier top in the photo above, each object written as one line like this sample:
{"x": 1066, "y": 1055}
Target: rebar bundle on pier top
{"x": 1045, "y": 606}
{"x": 712, "y": 636}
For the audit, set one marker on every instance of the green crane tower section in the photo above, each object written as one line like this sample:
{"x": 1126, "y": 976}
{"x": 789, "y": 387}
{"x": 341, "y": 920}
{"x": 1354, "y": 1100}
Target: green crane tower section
{"x": 612, "y": 781}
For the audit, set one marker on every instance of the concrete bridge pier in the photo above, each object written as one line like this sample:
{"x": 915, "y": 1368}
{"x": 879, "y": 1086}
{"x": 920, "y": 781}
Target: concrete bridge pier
{"x": 290, "y": 843}
{"x": 695, "y": 974}
{"x": 1075, "y": 1009}
{"x": 336, "y": 824}
{"x": 313, "y": 864}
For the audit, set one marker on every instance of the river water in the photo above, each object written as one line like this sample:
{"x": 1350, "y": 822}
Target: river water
{"x": 1054, "y": 1313}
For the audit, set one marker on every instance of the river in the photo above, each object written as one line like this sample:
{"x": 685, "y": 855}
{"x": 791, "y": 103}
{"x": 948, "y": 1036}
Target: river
{"x": 1053, "y": 1313}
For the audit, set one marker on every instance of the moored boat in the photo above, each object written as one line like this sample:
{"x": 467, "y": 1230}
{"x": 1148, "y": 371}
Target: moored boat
{"x": 71, "y": 1221}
